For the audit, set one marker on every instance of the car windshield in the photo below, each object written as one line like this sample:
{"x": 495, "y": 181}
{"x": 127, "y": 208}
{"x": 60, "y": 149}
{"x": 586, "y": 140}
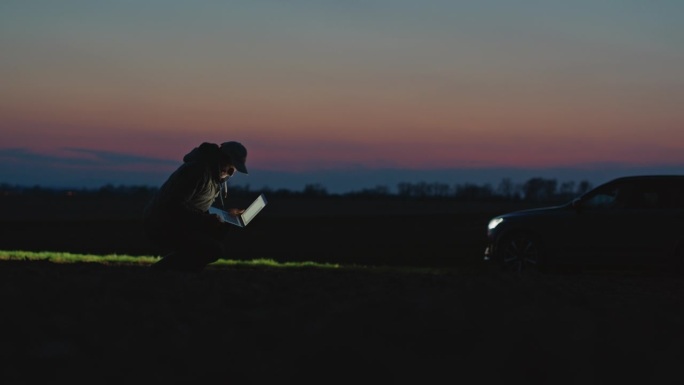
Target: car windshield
{"x": 635, "y": 196}
{"x": 607, "y": 197}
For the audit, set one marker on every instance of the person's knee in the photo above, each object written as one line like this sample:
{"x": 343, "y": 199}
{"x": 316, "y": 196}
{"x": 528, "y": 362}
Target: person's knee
{"x": 212, "y": 252}
{"x": 194, "y": 251}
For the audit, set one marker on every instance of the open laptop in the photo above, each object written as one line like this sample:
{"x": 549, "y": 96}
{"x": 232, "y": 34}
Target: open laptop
{"x": 243, "y": 219}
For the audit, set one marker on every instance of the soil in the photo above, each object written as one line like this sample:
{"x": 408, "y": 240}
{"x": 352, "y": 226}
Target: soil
{"x": 454, "y": 321}
{"x": 126, "y": 324}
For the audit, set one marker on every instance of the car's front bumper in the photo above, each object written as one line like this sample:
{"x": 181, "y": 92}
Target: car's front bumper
{"x": 488, "y": 254}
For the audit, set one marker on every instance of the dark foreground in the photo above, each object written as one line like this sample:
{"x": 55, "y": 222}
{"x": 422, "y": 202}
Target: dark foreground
{"x": 124, "y": 324}
{"x": 423, "y": 233}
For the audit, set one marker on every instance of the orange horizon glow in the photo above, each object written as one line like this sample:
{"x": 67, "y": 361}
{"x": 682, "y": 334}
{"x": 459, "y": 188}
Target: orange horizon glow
{"x": 333, "y": 87}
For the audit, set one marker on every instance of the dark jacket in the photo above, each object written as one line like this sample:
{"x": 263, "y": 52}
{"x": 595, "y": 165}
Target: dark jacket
{"x": 188, "y": 193}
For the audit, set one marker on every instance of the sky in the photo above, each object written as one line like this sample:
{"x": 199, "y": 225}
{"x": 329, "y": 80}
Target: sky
{"x": 345, "y": 94}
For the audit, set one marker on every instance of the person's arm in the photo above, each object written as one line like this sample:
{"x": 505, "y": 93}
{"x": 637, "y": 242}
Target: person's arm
{"x": 235, "y": 211}
{"x": 187, "y": 184}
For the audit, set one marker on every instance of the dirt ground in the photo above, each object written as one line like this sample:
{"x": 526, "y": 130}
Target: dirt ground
{"x": 461, "y": 323}
{"x": 420, "y": 233}
{"x": 125, "y": 324}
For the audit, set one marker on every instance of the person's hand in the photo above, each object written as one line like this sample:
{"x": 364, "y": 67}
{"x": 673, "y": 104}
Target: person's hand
{"x": 215, "y": 219}
{"x": 236, "y": 211}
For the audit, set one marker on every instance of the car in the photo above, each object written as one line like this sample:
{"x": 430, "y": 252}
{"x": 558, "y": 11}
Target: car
{"x": 628, "y": 221}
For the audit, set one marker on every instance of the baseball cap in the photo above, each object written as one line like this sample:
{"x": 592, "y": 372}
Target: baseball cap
{"x": 237, "y": 153}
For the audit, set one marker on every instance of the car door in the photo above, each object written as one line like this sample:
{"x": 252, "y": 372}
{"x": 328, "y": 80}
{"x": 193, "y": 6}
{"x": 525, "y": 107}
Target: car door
{"x": 605, "y": 225}
{"x": 658, "y": 209}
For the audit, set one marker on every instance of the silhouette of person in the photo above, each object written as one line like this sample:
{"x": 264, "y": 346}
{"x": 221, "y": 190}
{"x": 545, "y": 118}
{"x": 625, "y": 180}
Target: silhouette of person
{"x": 176, "y": 219}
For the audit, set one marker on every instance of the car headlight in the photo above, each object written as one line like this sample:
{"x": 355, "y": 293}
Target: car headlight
{"x": 493, "y": 223}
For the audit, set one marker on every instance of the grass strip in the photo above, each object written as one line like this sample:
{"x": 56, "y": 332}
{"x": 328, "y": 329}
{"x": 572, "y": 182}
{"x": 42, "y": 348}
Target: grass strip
{"x": 122, "y": 259}
{"x": 146, "y": 260}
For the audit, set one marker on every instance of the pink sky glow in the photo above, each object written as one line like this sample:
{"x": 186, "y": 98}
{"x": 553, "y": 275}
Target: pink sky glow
{"x": 345, "y": 86}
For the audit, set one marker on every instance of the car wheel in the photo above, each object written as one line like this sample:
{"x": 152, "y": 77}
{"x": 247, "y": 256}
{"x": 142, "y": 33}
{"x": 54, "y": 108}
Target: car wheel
{"x": 520, "y": 252}
{"x": 678, "y": 260}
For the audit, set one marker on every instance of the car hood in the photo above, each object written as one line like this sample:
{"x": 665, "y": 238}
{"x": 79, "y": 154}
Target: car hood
{"x": 534, "y": 212}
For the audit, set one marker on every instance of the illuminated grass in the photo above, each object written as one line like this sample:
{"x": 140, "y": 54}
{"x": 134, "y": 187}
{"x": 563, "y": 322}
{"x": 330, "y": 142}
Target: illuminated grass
{"x": 145, "y": 260}
{"x": 119, "y": 259}
{"x": 60, "y": 257}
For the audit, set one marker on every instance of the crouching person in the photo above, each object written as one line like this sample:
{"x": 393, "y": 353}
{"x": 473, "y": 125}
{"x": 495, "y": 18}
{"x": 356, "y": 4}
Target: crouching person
{"x": 177, "y": 220}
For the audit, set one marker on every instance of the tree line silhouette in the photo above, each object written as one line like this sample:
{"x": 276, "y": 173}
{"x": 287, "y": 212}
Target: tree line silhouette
{"x": 535, "y": 189}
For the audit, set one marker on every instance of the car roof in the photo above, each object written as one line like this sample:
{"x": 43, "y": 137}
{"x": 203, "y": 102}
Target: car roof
{"x": 650, "y": 177}
{"x": 656, "y": 178}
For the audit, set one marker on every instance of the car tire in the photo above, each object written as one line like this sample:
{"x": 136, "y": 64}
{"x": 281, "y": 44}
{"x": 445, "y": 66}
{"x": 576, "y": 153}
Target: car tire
{"x": 519, "y": 252}
{"x": 677, "y": 265}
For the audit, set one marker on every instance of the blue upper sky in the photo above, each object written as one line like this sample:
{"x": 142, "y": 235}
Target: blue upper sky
{"x": 348, "y": 94}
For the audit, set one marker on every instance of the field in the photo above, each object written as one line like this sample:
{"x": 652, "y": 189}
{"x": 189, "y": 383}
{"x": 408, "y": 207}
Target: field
{"x": 410, "y": 303}
{"x": 425, "y": 233}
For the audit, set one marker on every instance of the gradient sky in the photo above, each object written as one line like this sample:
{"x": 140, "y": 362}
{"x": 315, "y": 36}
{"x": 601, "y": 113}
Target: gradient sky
{"x": 119, "y": 91}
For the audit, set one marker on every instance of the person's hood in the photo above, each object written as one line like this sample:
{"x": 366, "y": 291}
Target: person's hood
{"x": 209, "y": 154}
{"x": 206, "y": 153}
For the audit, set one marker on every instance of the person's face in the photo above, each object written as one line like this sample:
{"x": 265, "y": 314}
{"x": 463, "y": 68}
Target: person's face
{"x": 227, "y": 170}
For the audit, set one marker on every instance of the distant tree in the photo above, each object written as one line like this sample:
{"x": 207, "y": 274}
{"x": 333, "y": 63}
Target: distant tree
{"x": 535, "y": 189}
{"x": 583, "y": 187}
{"x": 404, "y": 189}
{"x": 539, "y": 189}
{"x": 315, "y": 190}
{"x": 423, "y": 190}
{"x": 441, "y": 190}
{"x": 566, "y": 190}
{"x": 507, "y": 189}
{"x": 411, "y": 190}
{"x": 473, "y": 192}
{"x": 376, "y": 192}
{"x": 7, "y": 189}
{"x": 282, "y": 193}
